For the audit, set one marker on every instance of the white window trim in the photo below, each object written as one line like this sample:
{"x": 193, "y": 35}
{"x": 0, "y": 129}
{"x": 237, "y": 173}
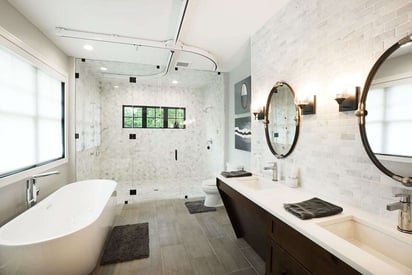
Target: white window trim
{"x": 11, "y": 42}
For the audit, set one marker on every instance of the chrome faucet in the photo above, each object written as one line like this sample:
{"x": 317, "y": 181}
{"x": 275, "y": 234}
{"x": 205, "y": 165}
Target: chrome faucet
{"x": 32, "y": 190}
{"x": 274, "y": 169}
{"x": 404, "y": 207}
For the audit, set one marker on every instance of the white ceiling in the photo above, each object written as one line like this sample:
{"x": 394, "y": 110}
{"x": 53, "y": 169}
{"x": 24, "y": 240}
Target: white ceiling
{"x": 220, "y": 27}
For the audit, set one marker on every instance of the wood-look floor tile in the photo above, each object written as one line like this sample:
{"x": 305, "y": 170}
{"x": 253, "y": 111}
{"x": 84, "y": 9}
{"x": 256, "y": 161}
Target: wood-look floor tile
{"x": 168, "y": 235}
{"x": 229, "y": 254}
{"x": 175, "y": 260}
{"x": 183, "y": 243}
{"x": 255, "y": 260}
{"x": 207, "y": 266}
{"x": 247, "y": 271}
{"x": 198, "y": 247}
{"x": 210, "y": 225}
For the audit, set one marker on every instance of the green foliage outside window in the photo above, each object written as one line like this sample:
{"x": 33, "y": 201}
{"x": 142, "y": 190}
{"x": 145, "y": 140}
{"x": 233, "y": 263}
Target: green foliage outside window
{"x": 176, "y": 118}
{"x": 132, "y": 117}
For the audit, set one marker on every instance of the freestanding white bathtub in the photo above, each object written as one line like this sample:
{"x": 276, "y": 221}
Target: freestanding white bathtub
{"x": 63, "y": 234}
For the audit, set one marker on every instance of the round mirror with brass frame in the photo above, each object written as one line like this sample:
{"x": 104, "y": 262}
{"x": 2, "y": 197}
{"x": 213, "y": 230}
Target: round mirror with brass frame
{"x": 385, "y": 115}
{"x": 281, "y": 120}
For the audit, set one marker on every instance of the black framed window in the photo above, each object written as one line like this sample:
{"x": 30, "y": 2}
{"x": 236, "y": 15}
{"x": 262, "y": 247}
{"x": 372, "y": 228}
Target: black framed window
{"x": 176, "y": 118}
{"x": 132, "y": 117}
{"x": 153, "y": 117}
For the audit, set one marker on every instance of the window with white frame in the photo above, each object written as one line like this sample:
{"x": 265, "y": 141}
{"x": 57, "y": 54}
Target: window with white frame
{"x": 31, "y": 115}
{"x": 389, "y": 120}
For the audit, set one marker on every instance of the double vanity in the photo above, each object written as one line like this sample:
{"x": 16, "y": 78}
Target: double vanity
{"x": 352, "y": 242}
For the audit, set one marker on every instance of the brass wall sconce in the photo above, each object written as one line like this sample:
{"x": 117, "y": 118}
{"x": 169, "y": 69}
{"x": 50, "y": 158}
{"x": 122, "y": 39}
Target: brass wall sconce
{"x": 259, "y": 114}
{"x": 307, "y": 106}
{"x": 348, "y": 101}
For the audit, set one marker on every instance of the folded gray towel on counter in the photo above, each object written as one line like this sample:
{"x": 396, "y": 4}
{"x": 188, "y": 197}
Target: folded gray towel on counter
{"x": 235, "y": 174}
{"x": 313, "y": 208}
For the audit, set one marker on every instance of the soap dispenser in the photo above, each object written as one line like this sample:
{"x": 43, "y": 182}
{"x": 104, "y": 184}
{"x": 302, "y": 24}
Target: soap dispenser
{"x": 292, "y": 180}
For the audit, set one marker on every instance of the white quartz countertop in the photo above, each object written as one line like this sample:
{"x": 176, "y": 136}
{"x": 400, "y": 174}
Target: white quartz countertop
{"x": 271, "y": 196}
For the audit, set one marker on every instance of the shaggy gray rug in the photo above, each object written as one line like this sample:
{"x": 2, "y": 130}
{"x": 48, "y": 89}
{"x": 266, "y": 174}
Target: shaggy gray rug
{"x": 126, "y": 243}
{"x": 198, "y": 207}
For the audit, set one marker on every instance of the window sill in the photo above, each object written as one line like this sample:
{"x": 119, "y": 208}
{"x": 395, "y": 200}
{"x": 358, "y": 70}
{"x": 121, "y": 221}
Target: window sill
{"x": 28, "y": 173}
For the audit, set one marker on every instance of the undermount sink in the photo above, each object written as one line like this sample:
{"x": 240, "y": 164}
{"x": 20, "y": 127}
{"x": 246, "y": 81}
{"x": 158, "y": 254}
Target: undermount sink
{"x": 391, "y": 247}
{"x": 255, "y": 183}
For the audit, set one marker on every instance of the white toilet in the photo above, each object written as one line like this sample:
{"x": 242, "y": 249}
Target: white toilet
{"x": 212, "y": 198}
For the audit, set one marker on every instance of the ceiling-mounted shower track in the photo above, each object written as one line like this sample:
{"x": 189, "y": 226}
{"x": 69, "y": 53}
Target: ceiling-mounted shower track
{"x": 172, "y": 45}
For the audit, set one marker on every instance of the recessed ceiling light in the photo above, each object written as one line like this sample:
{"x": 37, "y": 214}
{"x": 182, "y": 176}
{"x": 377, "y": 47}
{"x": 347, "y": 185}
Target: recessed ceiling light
{"x": 175, "y": 81}
{"x": 88, "y": 47}
{"x": 115, "y": 86}
{"x": 103, "y": 68}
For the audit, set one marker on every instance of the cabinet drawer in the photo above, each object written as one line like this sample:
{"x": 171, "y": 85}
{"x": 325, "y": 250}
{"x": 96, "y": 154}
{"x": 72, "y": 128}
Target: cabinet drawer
{"x": 282, "y": 263}
{"x": 316, "y": 259}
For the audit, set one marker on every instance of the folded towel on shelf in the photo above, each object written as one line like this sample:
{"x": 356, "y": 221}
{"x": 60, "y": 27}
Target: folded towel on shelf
{"x": 313, "y": 208}
{"x": 235, "y": 174}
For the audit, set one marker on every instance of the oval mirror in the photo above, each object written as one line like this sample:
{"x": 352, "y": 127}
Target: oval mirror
{"x": 281, "y": 120}
{"x": 385, "y": 112}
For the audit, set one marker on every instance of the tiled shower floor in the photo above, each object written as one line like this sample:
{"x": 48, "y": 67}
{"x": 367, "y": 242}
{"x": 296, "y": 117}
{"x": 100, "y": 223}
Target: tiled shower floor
{"x": 181, "y": 243}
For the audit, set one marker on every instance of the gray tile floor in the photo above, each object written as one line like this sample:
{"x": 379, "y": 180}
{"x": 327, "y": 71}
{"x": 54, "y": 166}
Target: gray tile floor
{"x": 183, "y": 243}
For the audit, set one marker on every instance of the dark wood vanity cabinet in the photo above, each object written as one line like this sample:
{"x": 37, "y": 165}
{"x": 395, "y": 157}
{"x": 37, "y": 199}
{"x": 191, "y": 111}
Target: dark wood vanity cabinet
{"x": 285, "y": 250}
{"x": 280, "y": 262}
{"x": 295, "y": 248}
{"x": 249, "y": 221}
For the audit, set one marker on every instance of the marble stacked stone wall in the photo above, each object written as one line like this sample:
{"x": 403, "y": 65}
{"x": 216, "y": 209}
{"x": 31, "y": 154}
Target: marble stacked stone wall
{"x": 322, "y": 47}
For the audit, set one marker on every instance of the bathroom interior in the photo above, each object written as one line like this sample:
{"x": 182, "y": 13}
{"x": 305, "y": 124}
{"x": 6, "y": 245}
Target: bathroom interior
{"x": 191, "y": 63}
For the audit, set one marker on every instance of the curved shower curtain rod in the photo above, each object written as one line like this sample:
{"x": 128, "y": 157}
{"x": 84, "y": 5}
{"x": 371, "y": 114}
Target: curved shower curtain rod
{"x": 172, "y": 45}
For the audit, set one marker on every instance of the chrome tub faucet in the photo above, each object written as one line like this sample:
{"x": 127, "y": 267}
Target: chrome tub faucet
{"x": 32, "y": 190}
{"x": 404, "y": 207}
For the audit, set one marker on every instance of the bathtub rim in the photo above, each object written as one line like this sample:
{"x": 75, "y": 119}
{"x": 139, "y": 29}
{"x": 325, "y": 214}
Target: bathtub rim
{"x": 4, "y": 242}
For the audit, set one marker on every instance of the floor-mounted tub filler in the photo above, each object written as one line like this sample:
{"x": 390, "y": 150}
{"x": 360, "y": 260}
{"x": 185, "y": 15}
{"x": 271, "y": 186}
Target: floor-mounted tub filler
{"x": 63, "y": 234}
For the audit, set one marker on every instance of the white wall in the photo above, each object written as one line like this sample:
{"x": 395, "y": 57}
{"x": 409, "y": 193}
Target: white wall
{"x": 234, "y": 156}
{"x": 321, "y": 47}
{"x": 12, "y": 196}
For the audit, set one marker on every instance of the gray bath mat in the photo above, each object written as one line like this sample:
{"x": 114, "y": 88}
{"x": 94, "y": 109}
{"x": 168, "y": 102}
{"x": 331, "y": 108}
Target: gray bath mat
{"x": 198, "y": 207}
{"x": 126, "y": 243}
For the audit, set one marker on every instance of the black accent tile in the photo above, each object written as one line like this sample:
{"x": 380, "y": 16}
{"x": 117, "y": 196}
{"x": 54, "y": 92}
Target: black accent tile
{"x": 132, "y": 192}
{"x": 132, "y": 79}
{"x": 76, "y": 135}
{"x": 76, "y": 75}
{"x": 132, "y": 136}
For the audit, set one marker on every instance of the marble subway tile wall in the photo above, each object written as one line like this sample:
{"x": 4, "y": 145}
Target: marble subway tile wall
{"x": 148, "y": 163}
{"x": 88, "y": 123}
{"x": 323, "y": 47}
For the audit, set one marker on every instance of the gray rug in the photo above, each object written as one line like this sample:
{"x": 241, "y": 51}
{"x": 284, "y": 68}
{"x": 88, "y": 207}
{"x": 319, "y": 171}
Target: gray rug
{"x": 126, "y": 243}
{"x": 198, "y": 207}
